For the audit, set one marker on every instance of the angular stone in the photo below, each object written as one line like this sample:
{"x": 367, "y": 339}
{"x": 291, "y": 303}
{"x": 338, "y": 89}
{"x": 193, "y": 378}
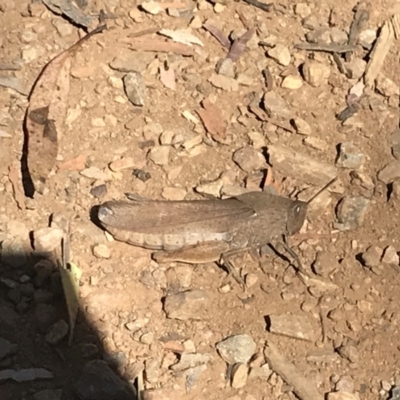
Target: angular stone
{"x": 192, "y": 304}
{"x": 351, "y": 212}
{"x": 290, "y": 162}
{"x": 294, "y": 326}
{"x": 315, "y": 73}
{"x": 249, "y": 159}
{"x": 236, "y": 349}
{"x": 276, "y": 105}
{"x": 389, "y": 173}
{"x": 47, "y": 239}
{"x": 135, "y": 88}
{"x": 280, "y": 54}
{"x": 350, "y": 156}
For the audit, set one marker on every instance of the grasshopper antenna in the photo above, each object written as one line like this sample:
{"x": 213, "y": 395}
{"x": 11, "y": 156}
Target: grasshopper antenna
{"x": 322, "y": 190}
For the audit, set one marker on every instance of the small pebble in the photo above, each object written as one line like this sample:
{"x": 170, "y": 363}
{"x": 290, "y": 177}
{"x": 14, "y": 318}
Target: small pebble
{"x": 101, "y": 251}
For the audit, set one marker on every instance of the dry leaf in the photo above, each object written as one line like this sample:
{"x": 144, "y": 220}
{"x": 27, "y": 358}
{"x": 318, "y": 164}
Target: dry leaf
{"x": 239, "y": 45}
{"x": 167, "y": 77}
{"x": 213, "y": 120}
{"x": 45, "y": 115}
{"x": 14, "y": 175}
{"x": 181, "y": 36}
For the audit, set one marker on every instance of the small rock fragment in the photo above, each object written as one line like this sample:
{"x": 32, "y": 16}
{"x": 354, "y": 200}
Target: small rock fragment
{"x": 47, "y": 239}
{"x": 192, "y": 304}
{"x": 211, "y": 188}
{"x": 99, "y": 191}
{"x": 292, "y": 82}
{"x": 224, "y": 82}
{"x": 372, "y": 256}
{"x": 251, "y": 280}
{"x": 152, "y": 369}
{"x": 239, "y": 375}
{"x": 128, "y": 163}
{"x": 290, "y": 162}
{"x": 301, "y": 126}
{"x": 152, "y": 7}
{"x": 302, "y": 10}
{"x": 350, "y": 156}
{"x": 280, "y": 54}
{"x": 225, "y": 67}
{"x": 356, "y": 68}
{"x": 351, "y": 212}
{"x": 276, "y": 105}
{"x": 236, "y": 349}
{"x": 349, "y": 352}
{"x": 101, "y": 251}
{"x": 57, "y": 332}
{"x": 257, "y": 139}
{"x": 315, "y": 143}
{"x": 160, "y": 155}
{"x": 386, "y": 86}
{"x": 135, "y": 88}
{"x": 315, "y": 73}
{"x": 395, "y": 393}
{"x": 325, "y": 263}
{"x": 292, "y": 325}
{"x": 173, "y": 193}
{"x": 248, "y": 159}
{"x": 390, "y": 256}
{"x": 389, "y": 173}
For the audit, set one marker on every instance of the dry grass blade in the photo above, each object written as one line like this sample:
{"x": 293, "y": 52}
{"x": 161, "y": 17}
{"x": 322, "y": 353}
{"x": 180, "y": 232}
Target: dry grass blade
{"x": 45, "y": 115}
{"x": 156, "y": 45}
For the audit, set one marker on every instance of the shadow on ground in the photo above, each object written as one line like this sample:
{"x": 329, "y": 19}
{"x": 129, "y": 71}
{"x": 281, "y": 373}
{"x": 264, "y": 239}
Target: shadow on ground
{"x": 36, "y": 361}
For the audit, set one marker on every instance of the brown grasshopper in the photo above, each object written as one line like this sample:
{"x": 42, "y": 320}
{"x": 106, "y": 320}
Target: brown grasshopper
{"x": 201, "y": 231}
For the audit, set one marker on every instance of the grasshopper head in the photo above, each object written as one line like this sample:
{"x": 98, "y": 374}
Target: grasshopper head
{"x": 296, "y": 215}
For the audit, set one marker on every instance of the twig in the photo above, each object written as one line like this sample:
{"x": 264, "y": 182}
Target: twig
{"x": 263, "y": 6}
{"x": 330, "y": 48}
{"x": 302, "y": 386}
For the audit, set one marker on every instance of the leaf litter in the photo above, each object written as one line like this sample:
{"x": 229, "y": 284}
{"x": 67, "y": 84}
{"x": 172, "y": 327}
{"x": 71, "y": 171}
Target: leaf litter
{"x": 46, "y": 112}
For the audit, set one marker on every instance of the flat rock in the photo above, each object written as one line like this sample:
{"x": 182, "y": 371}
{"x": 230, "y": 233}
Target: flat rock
{"x": 315, "y": 73}
{"x": 239, "y": 375}
{"x": 295, "y": 326}
{"x": 99, "y": 382}
{"x": 160, "y": 155}
{"x": 341, "y": 395}
{"x": 57, "y": 332}
{"x": 290, "y": 162}
{"x": 223, "y": 82}
{"x": 351, "y": 212}
{"x": 276, "y": 105}
{"x": 13, "y": 253}
{"x": 248, "y": 159}
{"x": 135, "y": 88}
{"x": 350, "y": 156}
{"x": 236, "y": 349}
{"x": 390, "y": 256}
{"x": 280, "y": 54}
{"x": 389, "y": 173}
{"x": 192, "y": 304}
{"x": 47, "y": 239}
{"x": 372, "y": 256}
{"x": 325, "y": 263}
{"x": 132, "y": 61}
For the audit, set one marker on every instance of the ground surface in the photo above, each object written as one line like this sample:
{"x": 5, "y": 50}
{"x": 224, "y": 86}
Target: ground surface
{"x": 351, "y": 320}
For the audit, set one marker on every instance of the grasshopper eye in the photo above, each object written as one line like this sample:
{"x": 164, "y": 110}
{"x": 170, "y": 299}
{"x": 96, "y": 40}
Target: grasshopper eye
{"x": 297, "y": 209}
